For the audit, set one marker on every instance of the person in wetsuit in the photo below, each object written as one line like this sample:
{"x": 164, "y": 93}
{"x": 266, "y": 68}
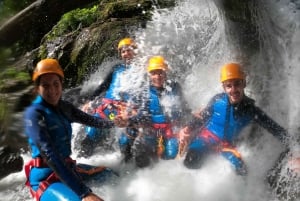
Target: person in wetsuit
{"x": 221, "y": 122}
{"x": 112, "y": 103}
{"x": 161, "y": 114}
{"x": 51, "y": 173}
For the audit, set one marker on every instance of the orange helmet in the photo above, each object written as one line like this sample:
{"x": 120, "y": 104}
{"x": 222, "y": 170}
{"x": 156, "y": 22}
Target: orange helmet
{"x": 126, "y": 42}
{"x": 157, "y": 63}
{"x": 47, "y": 66}
{"x": 231, "y": 71}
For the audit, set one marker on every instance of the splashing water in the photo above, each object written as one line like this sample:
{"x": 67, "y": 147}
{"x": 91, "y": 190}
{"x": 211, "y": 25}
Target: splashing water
{"x": 192, "y": 38}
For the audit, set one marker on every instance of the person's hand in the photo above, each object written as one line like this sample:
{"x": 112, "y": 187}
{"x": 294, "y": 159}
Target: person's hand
{"x": 184, "y": 135}
{"x": 121, "y": 122}
{"x": 92, "y": 197}
{"x": 87, "y": 107}
{"x": 197, "y": 113}
{"x": 294, "y": 164}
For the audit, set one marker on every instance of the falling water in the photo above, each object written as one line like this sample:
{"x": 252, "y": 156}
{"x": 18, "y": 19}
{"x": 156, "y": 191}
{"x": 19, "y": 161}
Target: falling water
{"x": 192, "y": 38}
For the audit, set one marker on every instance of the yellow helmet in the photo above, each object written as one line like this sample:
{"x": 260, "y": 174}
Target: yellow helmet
{"x": 231, "y": 71}
{"x": 47, "y": 66}
{"x": 157, "y": 63}
{"x": 126, "y": 42}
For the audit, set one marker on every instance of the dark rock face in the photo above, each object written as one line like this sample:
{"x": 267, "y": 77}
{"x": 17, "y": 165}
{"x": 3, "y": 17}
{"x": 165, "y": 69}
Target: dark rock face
{"x": 10, "y": 161}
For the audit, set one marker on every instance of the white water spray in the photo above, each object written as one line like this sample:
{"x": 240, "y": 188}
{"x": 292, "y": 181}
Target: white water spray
{"x": 192, "y": 38}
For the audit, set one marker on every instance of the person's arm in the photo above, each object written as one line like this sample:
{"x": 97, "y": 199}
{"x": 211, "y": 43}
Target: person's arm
{"x": 76, "y": 115}
{"x": 37, "y": 131}
{"x": 141, "y": 117}
{"x": 270, "y": 125}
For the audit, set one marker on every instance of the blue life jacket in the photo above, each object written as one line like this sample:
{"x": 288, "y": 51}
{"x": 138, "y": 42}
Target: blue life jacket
{"x": 223, "y": 122}
{"x": 113, "y": 91}
{"x": 165, "y": 107}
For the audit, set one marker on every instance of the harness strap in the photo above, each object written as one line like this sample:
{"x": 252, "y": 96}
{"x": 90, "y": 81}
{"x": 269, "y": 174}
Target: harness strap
{"x": 43, "y": 186}
{"x": 39, "y": 162}
{"x": 221, "y": 145}
{"x": 165, "y": 126}
{"x": 160, "y": 146}
{"x": 106, "y": 103}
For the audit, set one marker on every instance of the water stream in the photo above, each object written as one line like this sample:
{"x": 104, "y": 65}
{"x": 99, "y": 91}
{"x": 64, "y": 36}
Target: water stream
{"x": 192, "y": 38}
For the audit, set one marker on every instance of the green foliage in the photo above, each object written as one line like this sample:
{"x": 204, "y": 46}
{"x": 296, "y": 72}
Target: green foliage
{"x": 3, "y": 112}
{"x": 74, "y": 19}
{"x": 4, "y": 54}
{"x": 12, "y": 73}
{"x": 10, "y": 7}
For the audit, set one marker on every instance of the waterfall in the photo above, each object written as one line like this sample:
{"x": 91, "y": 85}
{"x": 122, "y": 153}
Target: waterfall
{"x": 192, "y": 37}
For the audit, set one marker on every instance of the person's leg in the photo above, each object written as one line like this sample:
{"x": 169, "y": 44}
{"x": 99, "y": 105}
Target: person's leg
{"x": 59, "y": 191}
{"x": 171, "y": 148}
{"x": 99, "y": 174}
{"x": 88, "y": 144}
{"x": 126, "y": 141}
{"x": 144, "y": 150}
{"x": 196, "y": 154}
{"x": 236, "y": 161}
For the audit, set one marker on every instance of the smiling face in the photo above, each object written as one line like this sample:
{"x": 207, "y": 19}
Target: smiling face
{"x": 127, "y": 53}
{"x": 50, "y": 88}
{"x": 157, "y": 78}
{"x": 234, "y": 88}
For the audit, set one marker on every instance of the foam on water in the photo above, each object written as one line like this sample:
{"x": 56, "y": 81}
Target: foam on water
{"x": 192, "y": 38}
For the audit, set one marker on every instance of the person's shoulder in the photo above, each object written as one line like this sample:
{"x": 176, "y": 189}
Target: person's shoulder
{"x": 35, "y": 109}
{"x": 64, "y": 104}
{"x": 247, "y": 101}
{"x": 30, "y": 109}
{"x": 219, "y": 96}
{"x": 118, "y": 65}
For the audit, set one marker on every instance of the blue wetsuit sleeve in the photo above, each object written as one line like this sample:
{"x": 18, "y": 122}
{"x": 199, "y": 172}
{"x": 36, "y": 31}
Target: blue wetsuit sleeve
{"x": 37, "y": 131}
{"x": 270, "y": 125}
{"x": 76, "y": 115}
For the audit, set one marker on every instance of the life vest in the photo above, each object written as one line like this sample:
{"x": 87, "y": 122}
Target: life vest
{"x": 113, "y": 92}
{"x": 223, "y": 122}
{"x": 163, "y": 116}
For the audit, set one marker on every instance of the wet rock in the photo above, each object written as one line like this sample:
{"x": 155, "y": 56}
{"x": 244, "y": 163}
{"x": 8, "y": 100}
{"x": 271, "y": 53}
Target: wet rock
{"x": 10, "y": 161}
